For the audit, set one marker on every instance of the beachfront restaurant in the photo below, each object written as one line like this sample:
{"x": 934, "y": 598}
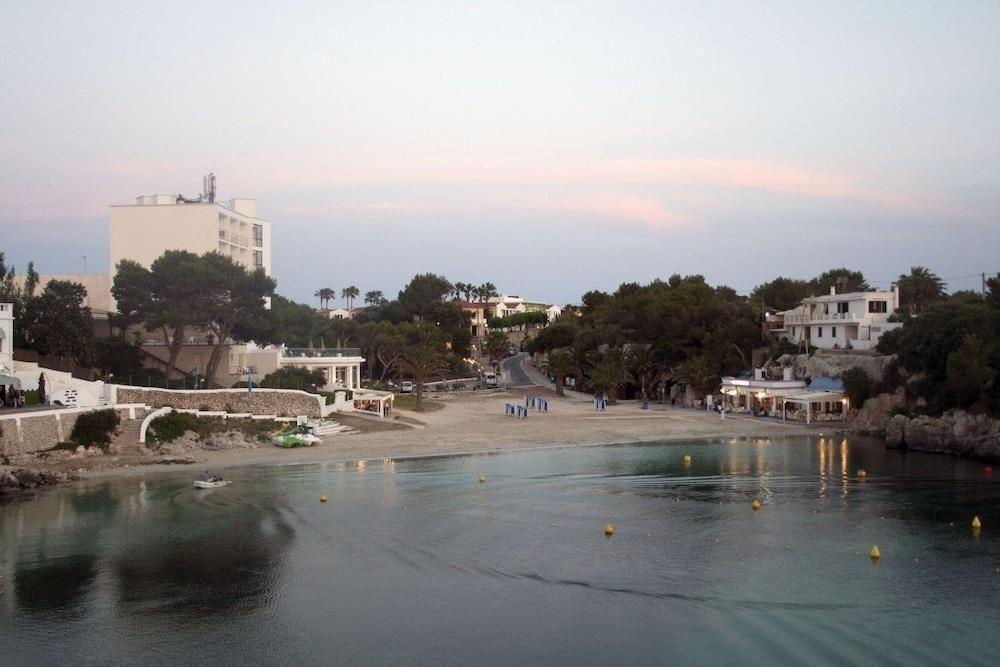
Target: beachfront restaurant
{"x": 757, "y": 396}
{"x": 823, "y": 400}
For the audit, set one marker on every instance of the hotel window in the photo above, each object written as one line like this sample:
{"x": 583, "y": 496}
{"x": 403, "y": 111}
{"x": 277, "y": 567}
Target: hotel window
{"x": 877, "y": 307}
{"x": 258, "y": 235}
{"x": 258, "y": 259}
{"x": 842, "y": 306}
{"x": 819, "y": 332}
{"x": 833, "y": 332}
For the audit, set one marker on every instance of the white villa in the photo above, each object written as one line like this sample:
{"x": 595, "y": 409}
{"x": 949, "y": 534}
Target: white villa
{"x": 853, "y": 321}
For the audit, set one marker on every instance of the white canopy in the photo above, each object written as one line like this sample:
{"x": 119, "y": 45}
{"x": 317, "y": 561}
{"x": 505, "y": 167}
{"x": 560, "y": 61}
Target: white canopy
{"x": 814, "y": 397}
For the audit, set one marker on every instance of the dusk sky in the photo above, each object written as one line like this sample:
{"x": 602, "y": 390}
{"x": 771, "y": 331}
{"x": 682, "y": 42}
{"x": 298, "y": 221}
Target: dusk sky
{"x": 548, "y": 147}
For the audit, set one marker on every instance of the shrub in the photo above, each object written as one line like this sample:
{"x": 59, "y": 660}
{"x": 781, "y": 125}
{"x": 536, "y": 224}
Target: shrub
{"x": 169, "y": 427}
{"x": 857, "y": 386}
{"x": 95, "y": 428}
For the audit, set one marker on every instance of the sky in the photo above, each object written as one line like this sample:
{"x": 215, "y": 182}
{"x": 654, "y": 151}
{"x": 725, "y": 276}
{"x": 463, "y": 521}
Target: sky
{"x": 548, "y": 147}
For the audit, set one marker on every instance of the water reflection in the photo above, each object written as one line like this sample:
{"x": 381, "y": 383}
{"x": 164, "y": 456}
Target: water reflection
{"x": 414, "y": 558}
{"x": 234, "y": 567}
{"x": 54, "y": 585}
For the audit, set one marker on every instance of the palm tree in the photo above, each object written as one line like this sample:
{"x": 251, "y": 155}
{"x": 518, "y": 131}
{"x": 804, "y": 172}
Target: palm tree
{"x": 560, "y": 363}
{"x": 458, "y": 289}
{"x": 374, "y": 298}
{"x": 496, "y": 344}
{"x": 700, "y": 374}
{"x": 485, "y": 291}
{"x": 919, "y": 288}
{"x": 644, "y": 364}
{"x": 324, "y": 295}
{"x": 350, "y": 294}
{"x": 468, "y": 291}
{"x": 609, "y": 373}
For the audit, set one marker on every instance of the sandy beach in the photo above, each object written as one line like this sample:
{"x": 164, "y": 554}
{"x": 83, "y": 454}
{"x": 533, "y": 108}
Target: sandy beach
{"x": 472, "y": 422}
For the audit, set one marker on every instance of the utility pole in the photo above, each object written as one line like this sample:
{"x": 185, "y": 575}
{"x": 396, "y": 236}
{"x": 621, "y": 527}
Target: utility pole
{"x": 84, "y": 258}
{"x": 984, "y": 283}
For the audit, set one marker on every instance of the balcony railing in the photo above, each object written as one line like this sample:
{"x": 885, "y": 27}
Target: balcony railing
{"x": 823, "y": 317}
{"x": 325, "y": 352}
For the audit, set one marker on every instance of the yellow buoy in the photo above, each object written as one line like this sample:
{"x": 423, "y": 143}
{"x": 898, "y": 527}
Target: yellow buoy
{"x": 687, "y": 459}
{"x": 322, "y": 499}
{"x": 862, "y": 472}
{"x": 609, "y": 530}
{"x": 976, "y": 523}
{"x": 482, "y": 478}
{"x": 755, "y": 505}
{"x": 875, "y": 554}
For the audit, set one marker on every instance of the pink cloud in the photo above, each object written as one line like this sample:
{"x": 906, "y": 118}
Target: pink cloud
{"x": 616, "y": 207}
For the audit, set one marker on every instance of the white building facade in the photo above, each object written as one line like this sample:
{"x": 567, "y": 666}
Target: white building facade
{"x": 852, "y": 321}
{"x": 341, "y": 366}
{"x": 6, "y": 338}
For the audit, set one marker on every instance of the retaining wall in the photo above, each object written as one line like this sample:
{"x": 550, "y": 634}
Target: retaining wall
{"x": 280, "y": 402}
{"x": 30, "y": 432}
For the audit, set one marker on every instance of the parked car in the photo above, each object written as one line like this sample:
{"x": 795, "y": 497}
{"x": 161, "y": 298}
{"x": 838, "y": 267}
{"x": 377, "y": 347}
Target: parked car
{"x": 406, "y": 386}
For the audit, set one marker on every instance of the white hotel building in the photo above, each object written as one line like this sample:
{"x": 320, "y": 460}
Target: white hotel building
{"x": 155, "y": 223}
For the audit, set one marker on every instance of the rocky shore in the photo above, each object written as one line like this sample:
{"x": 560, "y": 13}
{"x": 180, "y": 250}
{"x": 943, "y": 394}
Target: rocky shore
{"x": 13, "y": 480}
{"x": 956, "y": 432}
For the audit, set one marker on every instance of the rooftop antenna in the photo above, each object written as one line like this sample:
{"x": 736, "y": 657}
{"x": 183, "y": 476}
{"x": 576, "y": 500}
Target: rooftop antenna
{"x": 208, "y": 188}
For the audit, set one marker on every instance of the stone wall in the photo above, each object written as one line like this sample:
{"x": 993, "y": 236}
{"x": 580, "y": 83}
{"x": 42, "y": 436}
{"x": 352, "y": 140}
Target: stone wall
{"x": 29, "y": 432}
{"x": 280, "y": 402}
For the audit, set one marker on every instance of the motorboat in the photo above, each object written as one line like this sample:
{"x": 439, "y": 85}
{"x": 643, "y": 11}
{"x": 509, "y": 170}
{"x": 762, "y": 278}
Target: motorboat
{"x": 212, "y": 483}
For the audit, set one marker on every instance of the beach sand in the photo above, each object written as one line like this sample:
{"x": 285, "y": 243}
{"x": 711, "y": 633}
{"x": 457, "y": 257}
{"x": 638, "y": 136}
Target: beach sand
{"x": 471, "y": 422}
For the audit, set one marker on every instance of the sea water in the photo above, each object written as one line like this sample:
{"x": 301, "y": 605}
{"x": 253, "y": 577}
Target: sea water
{"x": 417, "y": 561}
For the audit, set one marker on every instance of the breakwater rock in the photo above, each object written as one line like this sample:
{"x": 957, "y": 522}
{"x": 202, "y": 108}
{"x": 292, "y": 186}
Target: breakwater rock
{"x": 13, "y": 480}
{"x": 955, "y": 432}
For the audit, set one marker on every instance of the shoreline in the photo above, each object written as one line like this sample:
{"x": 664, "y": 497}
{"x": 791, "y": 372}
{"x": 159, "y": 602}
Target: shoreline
{"x": 468, "y": 425}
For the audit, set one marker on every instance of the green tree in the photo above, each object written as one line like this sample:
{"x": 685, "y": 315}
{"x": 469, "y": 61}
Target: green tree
{"x": 857, "y": 386}
{"x": 970, "y": 373}
{"x": 294, "y": 377}
{"x": 422, "y": 355}
{"x": 57, "y": 323}
{"x": 993, "y": 290}
{"x": 234, "y": 307}
{"x": 780, "y": 294}
{"x": 561, "y": 364}
{"x": 132, "y": 291}
{"x": 374, "y": 298}
{"x": 844, "y": 280}
{"x": 919, "y": 288}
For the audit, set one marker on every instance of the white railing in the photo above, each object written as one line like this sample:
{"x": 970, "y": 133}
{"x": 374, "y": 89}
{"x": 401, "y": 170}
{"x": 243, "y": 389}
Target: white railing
{"x": 823, "y": 317}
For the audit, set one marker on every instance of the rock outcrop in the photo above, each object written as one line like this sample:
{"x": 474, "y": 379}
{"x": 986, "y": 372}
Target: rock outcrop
{"x": 955, "y": 432}
{"x": 833, "y": 365}
{"x": 27, "y": 478}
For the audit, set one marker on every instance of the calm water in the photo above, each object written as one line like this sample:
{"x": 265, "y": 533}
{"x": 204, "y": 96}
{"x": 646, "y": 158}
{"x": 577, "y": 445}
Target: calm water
{"x": 415, "y": 561}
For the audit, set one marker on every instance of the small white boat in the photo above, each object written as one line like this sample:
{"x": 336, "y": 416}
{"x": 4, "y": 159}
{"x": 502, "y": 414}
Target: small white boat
{"x": 210, "y": 484}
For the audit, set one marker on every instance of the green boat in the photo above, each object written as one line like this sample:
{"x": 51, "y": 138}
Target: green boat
{"x": 297, "y": 436}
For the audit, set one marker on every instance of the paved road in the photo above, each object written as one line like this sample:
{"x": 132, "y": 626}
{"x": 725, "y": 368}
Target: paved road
{"x": 513, "y": 373}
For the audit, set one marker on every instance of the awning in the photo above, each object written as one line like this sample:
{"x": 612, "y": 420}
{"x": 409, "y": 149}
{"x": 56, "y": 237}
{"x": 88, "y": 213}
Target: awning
{"x": 10, "y": 380}
{"x": 814, "y": 397}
